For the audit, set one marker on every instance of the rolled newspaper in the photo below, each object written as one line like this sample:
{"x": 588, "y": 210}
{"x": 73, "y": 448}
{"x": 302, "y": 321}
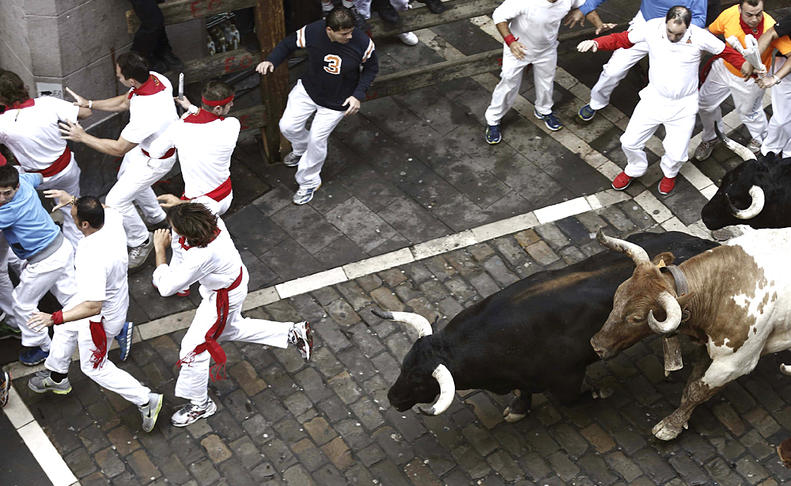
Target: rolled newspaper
{"x": 181, "y": 86}
{"x": 749, "y": 51}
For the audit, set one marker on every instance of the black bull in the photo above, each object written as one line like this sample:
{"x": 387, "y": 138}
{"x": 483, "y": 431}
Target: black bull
{"x": 753, "y": 193}
{"x": 531, "y": 337}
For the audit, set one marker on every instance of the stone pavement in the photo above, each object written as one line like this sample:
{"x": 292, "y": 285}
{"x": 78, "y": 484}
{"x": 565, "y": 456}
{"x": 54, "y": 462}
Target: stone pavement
{"x": 284, "y": 421}
{"x": 406, "y": 170}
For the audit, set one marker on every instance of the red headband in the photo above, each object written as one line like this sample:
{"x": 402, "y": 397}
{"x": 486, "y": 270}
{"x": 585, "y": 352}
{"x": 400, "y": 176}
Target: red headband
{"x": 221, "y": 102}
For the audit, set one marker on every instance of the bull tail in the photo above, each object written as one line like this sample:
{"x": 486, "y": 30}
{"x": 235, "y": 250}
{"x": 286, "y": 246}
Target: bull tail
{"x": 417, "y": 322}
{"x": 733, "y": 145}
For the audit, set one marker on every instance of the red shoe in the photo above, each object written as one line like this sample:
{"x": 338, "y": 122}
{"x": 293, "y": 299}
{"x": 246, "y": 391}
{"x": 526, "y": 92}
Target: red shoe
{"x": 666, "y": 185}
{"x": 621, "y": 181}
{"x": 184, "y": 293}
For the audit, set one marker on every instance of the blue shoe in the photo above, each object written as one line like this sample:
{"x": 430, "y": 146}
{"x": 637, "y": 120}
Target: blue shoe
{"x": 493, "y": 134}
{"x": 586, "y": 113}
{"x": 124, "y": 339}
{"x": 303, "y": 196}
{"x": 549, "y": 120}
{"x": 32, "y": 356}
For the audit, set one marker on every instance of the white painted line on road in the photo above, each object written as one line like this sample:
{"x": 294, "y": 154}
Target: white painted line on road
{"x": 378, "y": 263}
{"x": 443, "y": 244}
{"x": 653, "y": 206}
{"x": 562, "y": 210}
{"x": 37, "y": 441}
{"x": 309, "y": 283}
{"x": 504, "y": 227}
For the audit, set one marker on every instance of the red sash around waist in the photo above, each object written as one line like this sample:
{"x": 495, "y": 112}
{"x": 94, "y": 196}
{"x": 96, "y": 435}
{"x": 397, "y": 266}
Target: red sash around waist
{"x": 56, "y": 167}
{"x": 218, "y": 193}
{"x": 210, "y": 344}
{"x": 99, "y": 338}
{"x": 168, "y": 154}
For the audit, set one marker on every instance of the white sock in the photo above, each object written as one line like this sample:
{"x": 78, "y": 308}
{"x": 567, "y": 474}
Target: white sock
{"x": 348, "y": 3}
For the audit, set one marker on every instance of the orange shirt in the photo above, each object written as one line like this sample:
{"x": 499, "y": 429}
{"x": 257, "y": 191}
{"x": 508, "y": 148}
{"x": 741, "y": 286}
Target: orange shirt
{"x": 727, "y": 24}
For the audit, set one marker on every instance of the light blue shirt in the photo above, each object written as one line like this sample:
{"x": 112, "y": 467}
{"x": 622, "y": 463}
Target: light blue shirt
{"x": 26, "y": 225}
{"x": 652, "y": 9}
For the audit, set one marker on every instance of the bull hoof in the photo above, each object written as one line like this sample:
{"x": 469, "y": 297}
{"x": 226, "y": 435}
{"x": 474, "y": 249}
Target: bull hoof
{"x": 602, "y": 393}
{"x": 665, "y": 430}
{"x": 511, "y": 416}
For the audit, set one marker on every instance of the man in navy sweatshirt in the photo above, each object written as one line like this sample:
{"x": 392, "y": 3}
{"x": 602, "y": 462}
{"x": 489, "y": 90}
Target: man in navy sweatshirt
{"x": 333, "y": 87}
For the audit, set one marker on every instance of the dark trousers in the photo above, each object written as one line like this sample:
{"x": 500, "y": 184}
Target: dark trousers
{"x": 150, "y": 39}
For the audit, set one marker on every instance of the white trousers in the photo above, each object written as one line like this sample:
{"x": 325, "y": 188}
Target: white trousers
{"x": 678, "y": 117}
{"x": 135, "y": 178}
{"x": 504, "y": 95}
{"x": 67, "y": 180}
{"x": 616, "y": 68}
{"x": 311, "y": 144}
{"x": 747, "y": 98}
{"x": 56, "y": 274}
{"x": 6, "y": 287}
{"x": 363, "y": 7}
{"x": 778, "y": 136}
{"x": 192, "y": 383}
{"x": 77, "y": 334}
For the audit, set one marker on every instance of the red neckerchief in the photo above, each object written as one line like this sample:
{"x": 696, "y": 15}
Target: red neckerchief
{"x": 25, "y": 104}
{"x": 202, "y": 116}
{"x": 185, "y": 246}
{"x": 152, "y": 86}
{"x": 759, "y": 29}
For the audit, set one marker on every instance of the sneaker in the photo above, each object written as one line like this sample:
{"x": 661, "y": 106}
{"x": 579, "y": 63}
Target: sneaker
{"x": 754, "y": 146}
{"x": 408, "y": 38}
{"x": 292, "y": 159}
{"x": 303, "y": 196}
{"x": 183, "y": 293}
{"x": 435, "y": 6}
{"x": 493, "y": 134}
{"x": 124, "y": 339}
{"x": 301, "y": 336}
{"x": 5, "y": 386}
{"x": 666, "y": 185}
{"x": 549, "y": 120}
{"x": 191, "y": 413}
{"x": 705, "y": 148}
{"x": 586, "y": 113}
{"x": 7, "y": 331}
{"x": 150, "y": 411}
{"x": 139, "y": 254}
{"x": 32, "y": 356}
{"x": 621, "y": 181}
{"x": 42, "y": 382}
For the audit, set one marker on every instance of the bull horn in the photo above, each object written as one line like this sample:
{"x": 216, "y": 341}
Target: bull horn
{"x": 785, "y": 369}
{"x": 447, "y": 389}
{"x": 635, "y": 252}
{"x": 417, "y": 322}
{"x": 673, "y": 311}
{"x": 743, "y": 152}
{"x": 756, "y": 205}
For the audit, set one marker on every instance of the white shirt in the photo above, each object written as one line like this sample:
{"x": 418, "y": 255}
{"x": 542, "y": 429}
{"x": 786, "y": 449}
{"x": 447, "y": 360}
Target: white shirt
{"x": 100, "y": 263}
{"x": 204, "y": 149}
{"x": 150, "y": 115}
{"x": 673, "y": 66}
{"x": 534, "y": 22}
{"x": 215, "y": 266}
{"x": 32, "y": 133}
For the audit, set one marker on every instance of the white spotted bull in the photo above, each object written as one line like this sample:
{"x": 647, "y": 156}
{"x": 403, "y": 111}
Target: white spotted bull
{"x": 738, "y": 305}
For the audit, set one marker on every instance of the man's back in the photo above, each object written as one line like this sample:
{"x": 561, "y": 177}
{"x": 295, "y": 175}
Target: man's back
{"x": 32, "y": 132}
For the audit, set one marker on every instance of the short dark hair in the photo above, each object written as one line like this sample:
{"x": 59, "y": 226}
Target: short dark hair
{"x": 340, "y": 18}
{"x": 9, "y": 176}
{"x": 133, "y": 66}
{"x": 216, "y": 91}
{"x": 194, "y": 222}
{"x": 679, "y": 13}
{"x": 752, "y": 3}
{"x": 12, "y": 88}
{"x": 90, "y": 209}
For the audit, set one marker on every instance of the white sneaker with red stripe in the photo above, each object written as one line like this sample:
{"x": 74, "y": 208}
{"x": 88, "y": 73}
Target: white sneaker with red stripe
{"x": 191, "y": 413}
{"x": 301, "y": 337}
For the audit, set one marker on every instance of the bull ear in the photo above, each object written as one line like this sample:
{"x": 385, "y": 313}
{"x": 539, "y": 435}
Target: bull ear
{"x": 663, "y": 259}
{"x": 683, "y": 300}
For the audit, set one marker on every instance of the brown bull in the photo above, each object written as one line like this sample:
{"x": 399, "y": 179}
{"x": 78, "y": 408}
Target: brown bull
{"x": 738, "y": 304}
